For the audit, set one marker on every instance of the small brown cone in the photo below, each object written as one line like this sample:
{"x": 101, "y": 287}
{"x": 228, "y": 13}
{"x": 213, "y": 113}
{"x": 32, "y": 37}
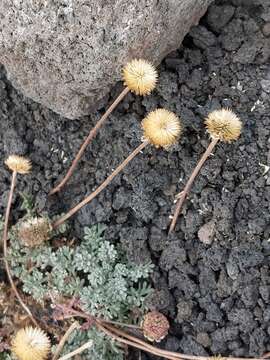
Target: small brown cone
{"x": 155, "y": 326}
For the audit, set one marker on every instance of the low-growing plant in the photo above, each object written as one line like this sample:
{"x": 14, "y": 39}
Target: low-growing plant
{"x": 96, "y": 272}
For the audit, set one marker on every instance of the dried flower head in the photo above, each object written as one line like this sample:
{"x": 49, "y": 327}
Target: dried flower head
{"x": 140, "y": 76}
{"x": 155, "y": 326}
{"x": 19, "y": 164}
{"x": 161, "y": 127}
{"x": 35, "y": 231}
{"x": 224, "y": 125}
{"x": 31, "y": 344}
{"x": 216, "y": 357}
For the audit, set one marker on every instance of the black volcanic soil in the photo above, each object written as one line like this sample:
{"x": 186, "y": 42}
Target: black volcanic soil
{"x": 212, "y": 276}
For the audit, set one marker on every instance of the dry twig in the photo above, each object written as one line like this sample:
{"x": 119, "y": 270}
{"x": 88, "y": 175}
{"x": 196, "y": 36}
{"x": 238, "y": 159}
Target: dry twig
{"x": 124, "y": 338}
{"x": 77, "y": 351}
{"x": 62, "y": 342}
{"x": 5, "y": 236}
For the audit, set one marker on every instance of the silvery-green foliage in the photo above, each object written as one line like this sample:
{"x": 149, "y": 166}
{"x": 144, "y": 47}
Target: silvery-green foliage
{"x": 112, "y": 288}
{"x": 96, "y": 271}
{"x": 28, "y": 204}
{"x": 6, "y": 356}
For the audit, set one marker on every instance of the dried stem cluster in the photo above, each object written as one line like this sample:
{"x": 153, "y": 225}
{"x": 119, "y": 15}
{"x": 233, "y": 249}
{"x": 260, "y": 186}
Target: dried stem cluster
{"x": 125, "y": 338}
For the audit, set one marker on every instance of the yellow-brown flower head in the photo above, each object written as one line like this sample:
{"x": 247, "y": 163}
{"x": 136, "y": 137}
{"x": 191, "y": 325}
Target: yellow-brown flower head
{"x": 35, "y": 231}
{"x": 224, "y": 125}
{"x": 19, "y": 164}
{"x": 161, "y": 128}
{"x": 31, "y": 344}
{"x": 155, "y": 326}
{"x": 140, "y": 76}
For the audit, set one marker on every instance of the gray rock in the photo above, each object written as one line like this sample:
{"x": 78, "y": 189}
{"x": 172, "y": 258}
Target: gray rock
{"x": 67, "y": 54}
{"x": 202, "y": 37}
{"x": 266, "y": 29}
{"x": 219, "y": 16}
{"x": 203, "y": 339}
{"x": 265, "y": 83}
{"x": 184, "y": 311}
{"x": 206, "y": 232}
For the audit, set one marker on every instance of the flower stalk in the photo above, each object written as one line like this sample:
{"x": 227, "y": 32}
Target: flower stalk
{"x": 90, "y": 197}
{"x": 139, "y": 77}
{"x": 75, "y": 325}
{"x": 182, "y": 196}
{"x": 17, "y": 165}
{"x": 87, "y": 141}
{"x": 222, "y": 125}
{"x": 161, "y": 129}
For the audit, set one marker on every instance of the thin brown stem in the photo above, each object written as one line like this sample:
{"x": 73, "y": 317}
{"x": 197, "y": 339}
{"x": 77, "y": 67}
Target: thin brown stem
{"x": 62, "y": 342}
{"x": 82, "y": 348}
{"x": 126, "y": 335}
{"x": 5, "y": 236}
{"x": 124, "y": 338}
{"x": 92, "y": 134}
{"x": 90, "y": 197}
{"x": 168, "y": 354}
{"x": 150, "y": 348}
{"x": 117, "y": 323}
{"x": 188, "y": 186}
{"x": 145, "y": 347}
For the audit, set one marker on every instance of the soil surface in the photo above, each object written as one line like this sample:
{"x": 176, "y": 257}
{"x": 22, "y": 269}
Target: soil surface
{"x": 212, "y": 275}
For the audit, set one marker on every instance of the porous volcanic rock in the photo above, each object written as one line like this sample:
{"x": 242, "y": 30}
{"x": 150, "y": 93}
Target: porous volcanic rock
{"x": 67, "y": 54}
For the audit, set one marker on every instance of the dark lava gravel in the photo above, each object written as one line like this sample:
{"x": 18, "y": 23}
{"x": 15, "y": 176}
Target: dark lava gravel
{"x": 215, "y": 286}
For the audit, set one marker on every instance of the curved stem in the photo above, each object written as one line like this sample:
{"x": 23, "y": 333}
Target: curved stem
{"x": 82, "y": 348}
{"x": 89, "y": 138}
{"x": 117, "y": 323}
{"x": 62, "y": 342}
{"x": 189, "y": 184}
{"x": 125, "y": 338}
{"x": 128, "y": 340}
{"x": 165, "y": 353}
{"x": 90, "y": 197}
{"x": 5, "y": 236}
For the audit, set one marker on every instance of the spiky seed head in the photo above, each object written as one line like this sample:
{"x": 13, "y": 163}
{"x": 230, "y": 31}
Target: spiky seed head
{"x": 31, "y": 344}
{"x": 140, "y": 76}
{"x": 155, "y": 326}
{"x": 161, "y": 128}
{"x": 35, "y": 231}
{"x": 216, "y": 357}
{"x": 19, "y": 164}
{"x": 224, "y": 125}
